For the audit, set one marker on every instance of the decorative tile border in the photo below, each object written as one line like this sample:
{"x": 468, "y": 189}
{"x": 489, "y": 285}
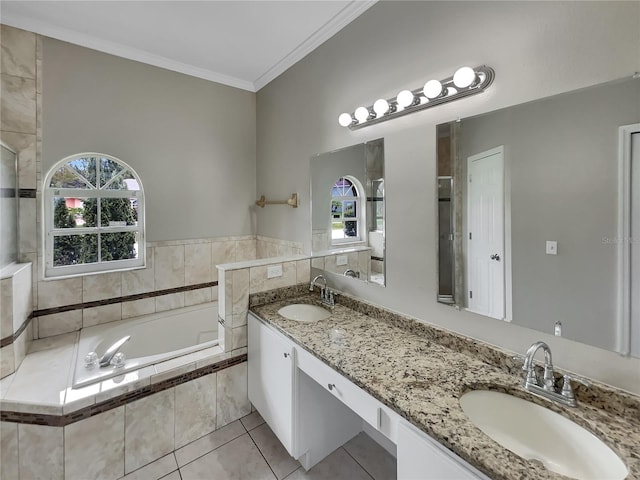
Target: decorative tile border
{"x": 27, "y": 193}
{"x": 98, "y": 303}
{"x": 98, "y": 408}
{"x": 12, "y": 338}
{"x": 126, "y": 298}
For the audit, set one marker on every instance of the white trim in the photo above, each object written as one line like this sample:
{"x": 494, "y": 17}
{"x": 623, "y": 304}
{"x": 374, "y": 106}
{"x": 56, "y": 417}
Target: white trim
{"x": 120, "y": 50}
{"x": 49, "y": 232}
{"x": 353, "y": 10}
{"x": 349, "y": 13}
{"x": 623, "y": 325}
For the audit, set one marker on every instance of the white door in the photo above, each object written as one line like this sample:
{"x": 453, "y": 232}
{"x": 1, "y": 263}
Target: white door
{"x": 635, "y": 244}
{"x": 485, "y": 239}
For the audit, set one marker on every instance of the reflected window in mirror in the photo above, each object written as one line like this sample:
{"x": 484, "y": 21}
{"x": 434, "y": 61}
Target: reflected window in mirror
{"x": 347, "y": 191}
{"x": 346, "y": 211}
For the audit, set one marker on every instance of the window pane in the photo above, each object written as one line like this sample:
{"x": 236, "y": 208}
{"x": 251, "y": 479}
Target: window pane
{"x": 75, "y": 249}
{"x": 349, "y": 209}
{"x": 118, "y": 246}
{"x": 71, "y": 212}
{"x": 126, "y": 181}
{"x": 336, "y": 209}
{"x": 118, "y": 212}
{"x": 108, "y": 170}
{"x": 67, "y": 178}
{"x": 86, "y": 167}
{"x": 351, "y": 228}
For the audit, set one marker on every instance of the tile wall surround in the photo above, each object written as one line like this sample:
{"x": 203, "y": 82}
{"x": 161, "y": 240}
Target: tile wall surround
{"x": 15, "y": 314}
{"x": 237, "y": 281}
{"x": 134, "y": 431}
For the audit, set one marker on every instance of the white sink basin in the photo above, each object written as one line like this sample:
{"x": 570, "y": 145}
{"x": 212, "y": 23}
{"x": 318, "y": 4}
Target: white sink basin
{"x": 537, "y": 433}
{"x": 302, "y": 312}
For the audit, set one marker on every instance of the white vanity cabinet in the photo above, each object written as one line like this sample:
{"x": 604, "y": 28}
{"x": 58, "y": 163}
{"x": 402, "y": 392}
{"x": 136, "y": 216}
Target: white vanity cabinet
{"x": 422, "y": 458}
{"x": 271, "y": 377}
{"x": 313, "y": 410}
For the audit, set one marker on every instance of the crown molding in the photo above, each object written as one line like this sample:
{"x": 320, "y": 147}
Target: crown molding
{"x": 349, "y": 13}
{"x": 120, "y": 50}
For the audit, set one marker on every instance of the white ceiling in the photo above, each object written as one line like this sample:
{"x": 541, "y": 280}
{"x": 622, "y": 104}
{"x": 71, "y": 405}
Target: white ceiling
{"x": 244, "y": 44}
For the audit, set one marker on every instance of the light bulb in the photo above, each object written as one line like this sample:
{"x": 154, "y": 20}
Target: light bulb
{"x": 405, "y": 98}
{"x": 345, "y": 119}
{"x": 381, "y": 106}
{"x": 451, "y": 91}
{"x": 432, "y": 89}
{"x": 464, "y": 77}
{"x": 361, "y": 114}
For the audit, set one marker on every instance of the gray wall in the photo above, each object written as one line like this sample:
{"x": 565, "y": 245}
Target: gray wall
{"x": 537, "y": 49}
{"x": 191, "y": 141}
{"x": 562, "y": 155}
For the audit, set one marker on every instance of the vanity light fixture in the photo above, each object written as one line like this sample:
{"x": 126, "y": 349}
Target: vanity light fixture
{"x": 466, "y": 81}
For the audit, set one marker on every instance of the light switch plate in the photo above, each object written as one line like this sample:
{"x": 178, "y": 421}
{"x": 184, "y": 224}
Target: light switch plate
{"x": 274, "y": 271}
{"x": 341, "y": 260}
{"x": 552, "y": 247}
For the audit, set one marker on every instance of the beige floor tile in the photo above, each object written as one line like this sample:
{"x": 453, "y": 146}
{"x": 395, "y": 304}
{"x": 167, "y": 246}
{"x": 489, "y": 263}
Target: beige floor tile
{"x": 273, "y": 451}
{"x": 337, "y": 466}
{"x": 379, "y": 463}
{"x": 173, "y": 476}
{"x": 155, "y": 470}
{"x": 208, "y": 443}
{"x": 252, "y": 420}
{"x": 239, "y": 459}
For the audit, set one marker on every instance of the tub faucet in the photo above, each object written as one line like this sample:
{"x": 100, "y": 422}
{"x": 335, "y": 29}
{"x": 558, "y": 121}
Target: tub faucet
{"x": 105, "y": 360}
{"x": 546, "y": 387}
{"x": 349, "y": 272}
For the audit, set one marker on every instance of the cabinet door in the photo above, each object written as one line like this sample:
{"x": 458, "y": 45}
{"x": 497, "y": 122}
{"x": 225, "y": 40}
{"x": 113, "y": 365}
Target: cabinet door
{"x": 421, "y": 458}
{"x": 271, "y": 378}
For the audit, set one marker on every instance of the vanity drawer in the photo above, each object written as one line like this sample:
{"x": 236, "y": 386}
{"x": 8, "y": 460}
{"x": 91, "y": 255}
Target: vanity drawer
{"x": 364, "y": 405}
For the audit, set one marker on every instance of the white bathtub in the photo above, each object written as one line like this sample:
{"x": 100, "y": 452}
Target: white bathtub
{"x": 154, "y": 339}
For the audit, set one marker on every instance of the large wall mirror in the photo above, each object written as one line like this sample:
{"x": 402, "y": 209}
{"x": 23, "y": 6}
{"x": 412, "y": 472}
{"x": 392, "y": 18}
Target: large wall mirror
{"x": 539, "y": 215}
{"x": 347, "y": 212}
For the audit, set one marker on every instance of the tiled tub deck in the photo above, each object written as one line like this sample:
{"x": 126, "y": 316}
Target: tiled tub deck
{"x": 111, "y": 428}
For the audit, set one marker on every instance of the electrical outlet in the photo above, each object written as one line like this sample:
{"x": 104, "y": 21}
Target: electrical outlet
{"x": 274, "y": 271}
{"x": 552, "y": 247}
{"x": 341, "y": 260}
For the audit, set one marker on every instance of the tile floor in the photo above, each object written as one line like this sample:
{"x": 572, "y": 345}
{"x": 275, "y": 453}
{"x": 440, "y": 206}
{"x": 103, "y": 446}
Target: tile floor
{"x": 247, "y": 449}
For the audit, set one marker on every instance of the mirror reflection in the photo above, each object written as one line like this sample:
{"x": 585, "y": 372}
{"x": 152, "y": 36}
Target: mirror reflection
{"x": 347, "y": 212}
{"x": 533, "y": 213}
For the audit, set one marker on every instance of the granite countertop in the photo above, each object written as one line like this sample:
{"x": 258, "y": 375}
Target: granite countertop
{"x": 417, "y": 373}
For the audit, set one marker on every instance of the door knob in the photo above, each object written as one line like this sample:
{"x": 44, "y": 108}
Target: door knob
{"x": 495, "y": 257}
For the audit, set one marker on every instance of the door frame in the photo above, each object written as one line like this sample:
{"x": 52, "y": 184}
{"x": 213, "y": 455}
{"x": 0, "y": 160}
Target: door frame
{"x": 623, "y": 330}
{"x": 506, "y": 179}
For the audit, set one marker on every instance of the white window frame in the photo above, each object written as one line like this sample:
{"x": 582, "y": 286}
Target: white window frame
{"x": 360, "y": 213}
{"x": 49, "y": 232}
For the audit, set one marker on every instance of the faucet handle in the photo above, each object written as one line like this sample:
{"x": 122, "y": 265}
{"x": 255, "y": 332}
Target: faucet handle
{"x": 567, "y": 389}
{"x": 576, "y": 378}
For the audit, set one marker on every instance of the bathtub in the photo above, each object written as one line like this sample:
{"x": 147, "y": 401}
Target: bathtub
{"x": 154, "y": 338}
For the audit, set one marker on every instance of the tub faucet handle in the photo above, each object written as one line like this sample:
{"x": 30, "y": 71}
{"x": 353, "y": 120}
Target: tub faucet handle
{"x": 105, "y": 360}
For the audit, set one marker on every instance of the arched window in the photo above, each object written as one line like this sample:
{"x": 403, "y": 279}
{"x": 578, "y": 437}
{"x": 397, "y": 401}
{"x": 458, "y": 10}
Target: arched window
{"x": 93, "y": 216}
{"x": 346, "y": 216}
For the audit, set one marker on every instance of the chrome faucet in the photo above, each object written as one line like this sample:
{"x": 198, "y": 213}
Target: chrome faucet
{"x": 531, "y": 378}
{"x": 545, "y": 387}
{"x": 327, "y": 296}
{"x": 105, "y": 360}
